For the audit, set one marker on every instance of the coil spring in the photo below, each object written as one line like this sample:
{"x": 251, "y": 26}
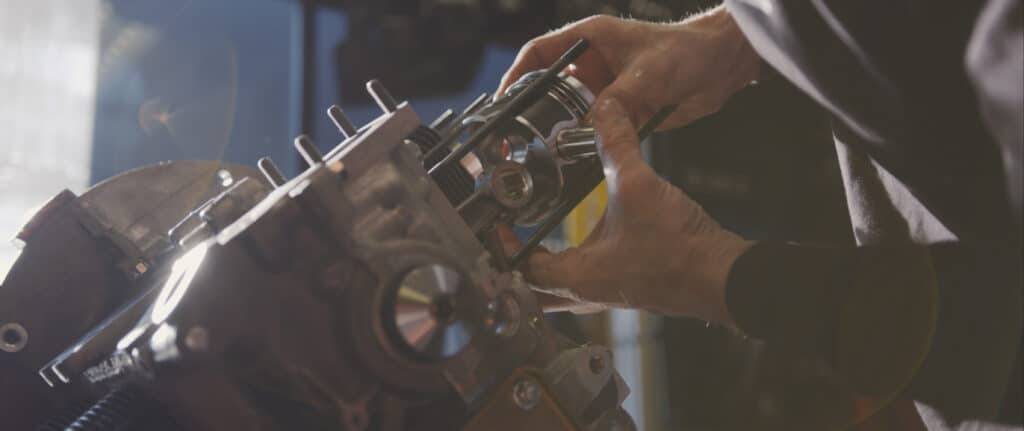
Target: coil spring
{"x": 453, "y": 180}
{"x": 61, "y": 420}
{"x": 124, "y": 408}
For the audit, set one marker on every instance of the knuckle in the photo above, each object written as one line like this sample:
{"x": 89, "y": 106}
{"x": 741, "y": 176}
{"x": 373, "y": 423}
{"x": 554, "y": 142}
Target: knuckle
{"x": 597, "y": 21}
{"x": 529, "y": 48}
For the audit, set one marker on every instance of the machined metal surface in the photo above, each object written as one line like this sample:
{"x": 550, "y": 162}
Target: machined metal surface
{"x": 427, "y": 311}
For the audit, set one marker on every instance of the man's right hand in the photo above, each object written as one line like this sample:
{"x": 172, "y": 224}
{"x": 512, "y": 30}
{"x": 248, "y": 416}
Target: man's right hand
{"x": 697, "y": 63}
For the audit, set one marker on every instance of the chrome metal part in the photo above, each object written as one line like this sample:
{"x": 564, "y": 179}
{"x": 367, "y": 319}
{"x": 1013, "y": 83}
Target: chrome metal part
{"x": 575, "y": 144}
{"x": 531, "y": 140}
{"x": 427, "y": 312}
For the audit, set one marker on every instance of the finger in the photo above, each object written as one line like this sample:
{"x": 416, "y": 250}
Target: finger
{"x": 596, "y": 232}
{"x": 617, "y": 142}
{"x": 554, "y": 271}
{"x": 542, "y": 51}
{"x": 552, "y": 303}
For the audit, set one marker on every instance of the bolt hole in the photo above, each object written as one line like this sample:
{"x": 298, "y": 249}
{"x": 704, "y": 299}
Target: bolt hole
{"x": 443, "y": 309}
{"x": 11, "y": 336}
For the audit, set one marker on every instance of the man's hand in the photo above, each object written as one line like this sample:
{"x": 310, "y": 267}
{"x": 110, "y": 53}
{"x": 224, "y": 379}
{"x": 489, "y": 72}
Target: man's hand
{"x": 654, "y": 249}
{"x": 698, "y": 63}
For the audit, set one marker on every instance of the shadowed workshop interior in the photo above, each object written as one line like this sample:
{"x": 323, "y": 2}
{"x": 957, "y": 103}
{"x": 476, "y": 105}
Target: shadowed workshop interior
{"x": 209, "y": 294}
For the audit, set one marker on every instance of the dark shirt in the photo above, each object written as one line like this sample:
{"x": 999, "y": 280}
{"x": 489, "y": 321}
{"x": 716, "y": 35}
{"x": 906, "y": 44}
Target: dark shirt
{"x": 929, "y": 303}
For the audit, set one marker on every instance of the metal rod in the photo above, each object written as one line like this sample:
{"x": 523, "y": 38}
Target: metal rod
{"x": 341, "y": 120}
{"x": 519, "y": 102}
{"x": 310, "y": 153}
{"x": 575, "y": 144}
{"x": 443, "y": 120}
{"x": 474, "y": 106}
{"x": 382, "y": 96}
{"x": 478, "y": 103}
{"x": 480, "y": 192}
{"x": 652, "y": 124}
{"x": 271, "y": 171}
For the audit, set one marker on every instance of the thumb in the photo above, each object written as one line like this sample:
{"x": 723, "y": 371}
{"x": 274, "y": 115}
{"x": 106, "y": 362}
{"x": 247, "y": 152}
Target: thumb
{"x": 617, "y": 142}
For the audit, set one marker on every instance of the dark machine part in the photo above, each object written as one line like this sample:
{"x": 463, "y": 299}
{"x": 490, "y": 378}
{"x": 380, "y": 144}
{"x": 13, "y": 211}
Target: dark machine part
{"x": 82, "y": 259}
{"x": 357, "y": 295}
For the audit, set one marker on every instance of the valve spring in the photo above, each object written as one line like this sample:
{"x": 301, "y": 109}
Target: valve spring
{"x": 454, "y": 181}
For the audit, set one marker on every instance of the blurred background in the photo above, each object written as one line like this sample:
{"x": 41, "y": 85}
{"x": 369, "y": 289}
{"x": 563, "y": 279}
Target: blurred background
{"x": 92, "y": 88}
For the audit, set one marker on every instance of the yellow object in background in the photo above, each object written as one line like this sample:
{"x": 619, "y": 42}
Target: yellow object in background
{"x": 585, "y": 216}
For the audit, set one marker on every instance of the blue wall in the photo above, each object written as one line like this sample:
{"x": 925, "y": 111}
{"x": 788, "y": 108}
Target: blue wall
{"x": 221, "y": 79}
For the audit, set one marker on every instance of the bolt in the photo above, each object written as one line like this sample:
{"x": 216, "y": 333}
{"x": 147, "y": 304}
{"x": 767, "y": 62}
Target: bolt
{"x": 526, "y": 393}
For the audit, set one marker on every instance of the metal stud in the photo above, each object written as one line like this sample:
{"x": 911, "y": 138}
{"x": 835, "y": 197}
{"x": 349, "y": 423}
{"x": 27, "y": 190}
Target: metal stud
{"x": 340, "y": 120}
{"x": 308, "y": 150}
{"x": 271, "y": 171}
{"x": 382, "y": 96}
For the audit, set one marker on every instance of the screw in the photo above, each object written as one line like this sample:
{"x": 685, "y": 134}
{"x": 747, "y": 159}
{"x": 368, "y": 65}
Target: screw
{"x": 526, "y": 393}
